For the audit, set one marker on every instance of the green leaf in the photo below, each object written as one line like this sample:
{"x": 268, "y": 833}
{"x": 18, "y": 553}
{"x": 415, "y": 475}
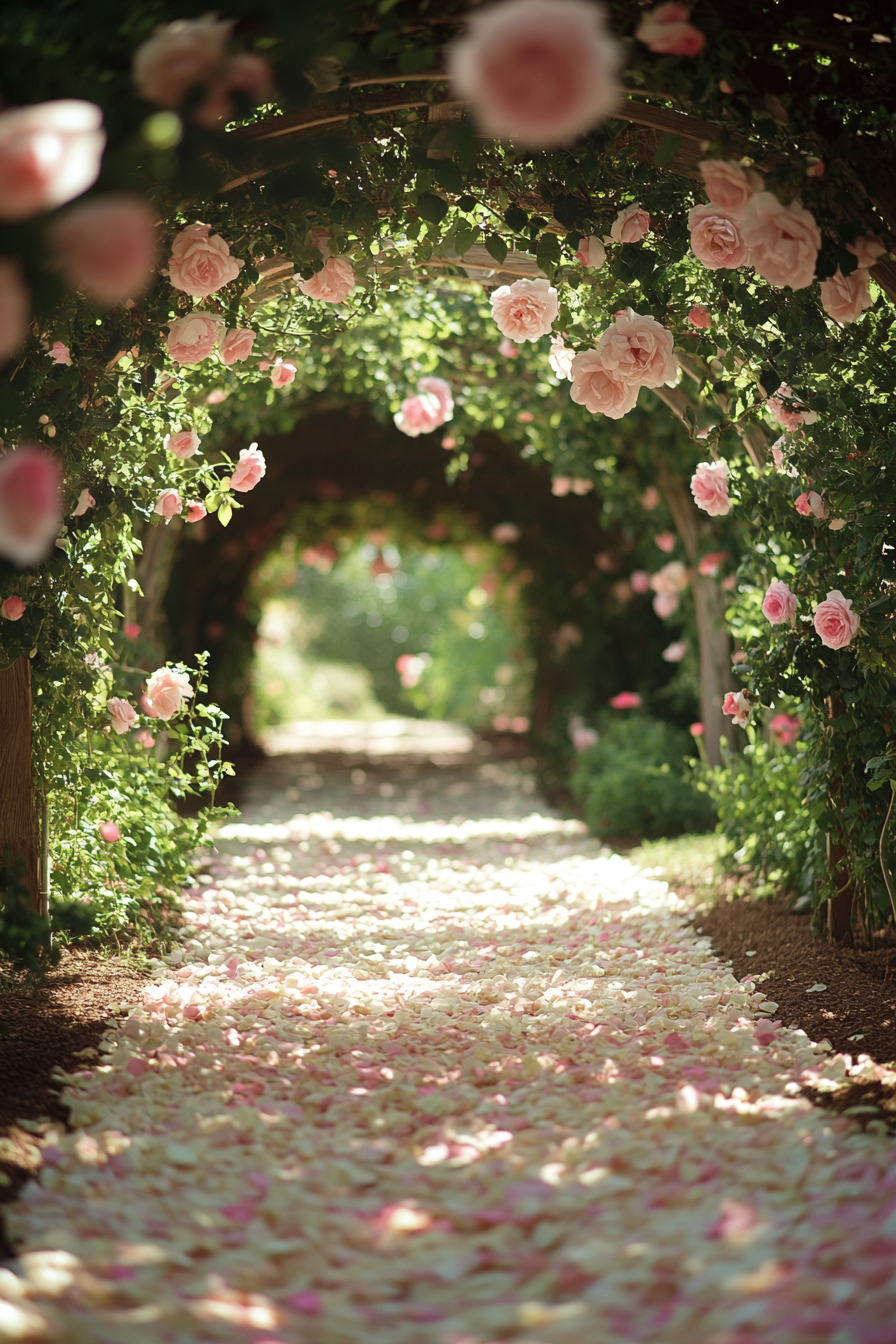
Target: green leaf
{"x": 496, "y": 247}
{"x": 466, "y": 203}
{"x": 567, "y": 210}
{"x": 548, "y": 254}
{"x": 431, "y": 207}
{"x": 225, "y": 513}
{"x": 516, "y": 218}
{"x": 448, "y": 176}
{"x": 668, "y": 147}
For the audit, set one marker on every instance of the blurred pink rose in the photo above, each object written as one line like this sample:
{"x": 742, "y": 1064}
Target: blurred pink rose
{"x": 166, "y": 692}
{"x": 630, "y": 225}
{"x": 144, "y": 739}
{"x": 237, "y": 345}
{"x": 49, "y": 154}
{"x": 786, "y": 728}
{"x": 132, "y": 631}
{"x": 867, "y": 248}
{"x": 537, "y": 71}
{"x": 597, "y": 389}
{"x": 779, "y": 604}
{"x": 30, "y": 504}
{"x": 196, "y": 511}
{"x": 85, "y": 501}
{"x": 60, "y": 353}
{"x": 815, "y": 167}
{"x": 788, "y": 417}
{"x": 508, "y": 349}
{"x": 15, "y": 306}
{"x": 122, "y": 714}
{"x": 420, "y": 414}
{"x": 666, "y": 31}
{"x": 665, "y": 541}
{"x": 183, "y": 444}
{"x": 216, "y": 396}
{"x": 505, "y": 533}
{"x": 583, "y": 738}
{"x": 638, "y": 350}
{"x": 709, "y": 486}
{"x": 109, "y": 832}
{"x": 244, "y": 73}
{"x": 105, "y": 247}
{"x": 666, "y": 605}
{"x": 698, "y": 316}
{"x": 816, "y": 504}
{"x": 784, "y": 240}
{"x": 561, "y": 357}
{"x": 249, "y": 470}
{"x": 845, "y": 297}
{"x": 802, "y": 505}
{"x": 640, "y": 581}
{"x": 13, "y": 608}
{"x": 626, "y": 700}
{"x": 836, "y": 624}
{"x": 283, "y": 372}
{"x": 696, "y": 730}
{"x": 441, "y": 390}
{"x": 650, "y": 498}
{"x": 561, "y": 485}
{"x": 675, "y": 652}
{"x": 527, "y": 309}
{"x": 191, "y": 339}
{"x": 715, "y": 239}
{"x": 168, "y": 504}
{"x": 729, "y": 186}
{"x": 333, "y": 283}
{"x": 592, "y": 253}
{"x": 200, "y": 263}
{"x": 672, "y": 578}
{"x": 737, "y": 707}
{"x": 178, "y": 57}
{"x": 710, "y": 564}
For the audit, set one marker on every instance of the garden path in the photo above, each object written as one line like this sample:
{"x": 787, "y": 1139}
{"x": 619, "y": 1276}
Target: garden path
{"x": 420, "y": 1080}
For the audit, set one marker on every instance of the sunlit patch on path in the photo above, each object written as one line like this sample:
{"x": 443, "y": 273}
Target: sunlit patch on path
{"x": 434, "y": 1083}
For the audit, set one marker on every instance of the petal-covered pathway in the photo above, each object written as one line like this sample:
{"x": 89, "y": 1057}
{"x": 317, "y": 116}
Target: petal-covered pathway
{"x": 426, "y": 1082}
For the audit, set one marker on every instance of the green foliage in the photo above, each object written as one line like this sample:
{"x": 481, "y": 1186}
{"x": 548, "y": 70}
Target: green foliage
{"x": 634, "y": 782}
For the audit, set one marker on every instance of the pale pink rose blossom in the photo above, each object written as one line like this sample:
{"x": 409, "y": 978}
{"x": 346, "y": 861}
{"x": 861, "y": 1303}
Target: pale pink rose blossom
{"x": 419, "y": 414}
{"x": 650, "y": 498}
{"x": 784, "y": 240}
{"x": 49, "y": 154}
{"x": 196, "y": 511}
{"x": 505, "y": 534}
{"x": 30, "y": 504}
{"x": 672, "y": 578}
{"x": 737, "y": 707}
{"x": 85, "y": 501}
{"x": 192, "y": 339}
{"x": 779, "y": 604}
{"x": 122, "y": 714}
{"x": 333, "y": 283}
{"x": 709, "y": 486}
{"x": 592, "y": 253}
{"x": 698, "y": 316}
{"x": 168, "y": 504}
{"x": 441, "y": 390}
{"x": 786, "y": 728}
{"x": 183, "y": 444}
{"x": 582, "y": 737}
{"x": 836, "y": 624}
{"x": 710, "y": 564}
{"x": 640, "y": 581}
{"x": 666, "y": 605}
{"x": 178, "y": 57}
{"x": 666, "y": 31}
{"x": 144, "y": 739}
{"x": 105, "y": 247}
{"x": 200, "y": 263}
{"x": 525, "y": 310}
{"x": 728, "y": 185}
{"x": 249, "y": 470}
{"x": 638, "y": 351}
{"x": 244, "y": 73}
{"x": 630, "y": 225}
{"x": 561, "y": 486}
{"x": 13, "y": 608}
{"x": 60, "y": 353}
{"x": 675, "y": 652}
{"x": 216, "y": 396}
{"x": 867, "y": 248}
{"x": 537, "y": 71}
{"x": 237, "y": 345}
{"x": 715, "y": 238}
{"x": 109, "y": 832}
{"x": 132, "y": 631}
{"x": 508, "y": 349}
{"x": 816, "y": 504}
{"x": 802, "y": 505}
{"x": 561, "y": 357}
{"x": 166, "y": 693}
{"x": 15, "y": 305}
{"x": 665, "y": 541}
{"x": 815, "y": 167}
{"x": 283, "y": 372}
{"x": 788, "y": 417}
{"x": 845, "y": 297}
{"x": 626, "y": 700}
{"x": 597, "y": 389}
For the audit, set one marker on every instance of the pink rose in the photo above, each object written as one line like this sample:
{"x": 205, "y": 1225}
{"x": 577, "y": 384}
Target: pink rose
{"x": 715, "y": 239}
{"x": 666, "y": 31}
{"x": 441, "y": 390}
{"x": 665, "y": 541}
{"x": 674, "y": 652}
{"x": 122, "y": 714}
{"x": 561, "y": 357}
{"x": 216, "y": 396}
{"x": 49, "y": 154}
{"x": 835, "y": 622}
{"x": 729, "y": 186}
{"x": 599, "y": 390}
{"x": 537, "y": 71}
{"x": 196, "y": 511}
{"x": 666, "y": 605}
{"x": 178, "y": 57}
{"x": 788, "y": 417}
{"x": 709, "y": 486}
{"x": 815, "y": 167}
{"x": 183, "y": 444}
{"x": 650, "y": 498}
{"x": 817, "y": 505}
{"x": 710, "y": 564}
{"x": 166, "y": 692}
{"x": 737, "y": 707}
{"x": 333, "y": 283}
{"x": 630, "y": 225}
{"x": 698, "y": 316}
{"x": 505, "y": 534}
{"x": 131, "y": 630}
{"x": 845, "y": 297}
{"x": 237, "y": 345}
{"x": 672, "y": 578}
{"x": 15, "y": 305}
{"x": 867, "y": 248}
{"x": 200, "y": 263}
{"x": 786, "y": 728}
{"x": 638, "y": 351}
{"x": 626, "y": 700}
{"x": 60, "y": 353}
{"x": 192, "y": 338}
{"x": 418, "y": 415}
{"x": 109, "y": 832}
{"x": 283, "y": 372}
{"x": 244, "y": 73}
{"x": 527, "y": 309}
{"x": 249, "y": 470}
{"x": 13, "y": 608}
{"x": 696, "y": 730}
{"x": 592, "y": 253}
{"x": 144, "y": 739}
{"x": 582, "y": 737}
{"x": 30, "y": 504}
{"x": 85, "y": 501}
{"x": 168, "y": 504}
{"x": 779, "y": 604}
{"x": 802, "y": 505}
{"x": 105, "y": 247}
{"x": 784, "y": 240}
{"x": 640, "y": 581}
{"x": 508, "y": 349}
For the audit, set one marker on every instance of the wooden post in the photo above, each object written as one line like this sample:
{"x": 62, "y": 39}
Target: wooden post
{"x": 19, "y": 831}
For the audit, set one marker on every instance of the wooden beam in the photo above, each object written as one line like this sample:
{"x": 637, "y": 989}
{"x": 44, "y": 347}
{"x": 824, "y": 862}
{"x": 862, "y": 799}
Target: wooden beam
{"x": 19, "y": 829}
